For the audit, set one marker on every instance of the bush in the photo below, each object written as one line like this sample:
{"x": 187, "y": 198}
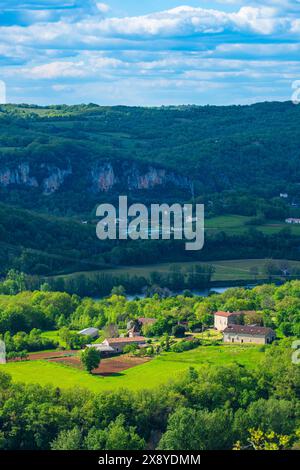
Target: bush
{"x": 178, "y": 331}
{"x": 185, "y": 345}
{"x": 130, "y": 348}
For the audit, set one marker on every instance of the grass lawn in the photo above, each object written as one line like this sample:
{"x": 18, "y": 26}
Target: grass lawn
{"x": 151, "y": 374}
{"x": 237, "y": 224}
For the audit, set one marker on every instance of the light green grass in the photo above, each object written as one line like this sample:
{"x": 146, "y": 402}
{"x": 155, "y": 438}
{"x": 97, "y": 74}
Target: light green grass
{"x": 237, "y": 224}
{"x": 149, "y": 375}
{"x": 230, "y": 224}
{"x": 54, "y": 336}
{"x": 227, "y": 270}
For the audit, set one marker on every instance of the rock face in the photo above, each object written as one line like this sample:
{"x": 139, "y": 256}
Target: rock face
{"x": 55, "y": 179}
{"x": 133, "y": 177}
{"x": 103, "y": 177}
{"x": 99, "y": 178}
{"x": 18, "y": 175}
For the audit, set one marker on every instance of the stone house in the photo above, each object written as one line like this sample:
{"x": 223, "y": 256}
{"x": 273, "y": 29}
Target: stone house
{"x": 134, "y": 327}
{"x": 223, "y": 319}
{"x": 248, "y": 334}
{"x": 118, "y": 344}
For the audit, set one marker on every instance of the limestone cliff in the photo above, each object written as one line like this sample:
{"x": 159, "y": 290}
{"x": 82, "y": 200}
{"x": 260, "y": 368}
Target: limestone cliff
{"x": 99, "y": 178}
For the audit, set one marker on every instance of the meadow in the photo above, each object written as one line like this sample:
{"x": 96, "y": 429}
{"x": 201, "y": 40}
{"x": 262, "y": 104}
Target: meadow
{"x": 237, "y": 224}
{"x": 225, "y": 270}
{"x": 158, "y": 371}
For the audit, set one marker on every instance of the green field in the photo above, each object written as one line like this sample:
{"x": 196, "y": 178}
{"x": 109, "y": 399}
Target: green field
{"x": 151, "y": 374}
{"x": 237, "y": 224}
{"x": 228, "y": 270}
{"x": 54, "y": 336}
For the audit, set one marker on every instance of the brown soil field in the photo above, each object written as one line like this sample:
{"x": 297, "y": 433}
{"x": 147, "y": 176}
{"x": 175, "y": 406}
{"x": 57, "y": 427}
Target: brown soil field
{"x": 47, "y": 355}
{"x": 109, "y": 366}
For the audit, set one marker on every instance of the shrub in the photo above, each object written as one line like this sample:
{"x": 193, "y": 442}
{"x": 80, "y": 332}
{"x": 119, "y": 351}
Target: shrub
{"x": 185, "y": 345}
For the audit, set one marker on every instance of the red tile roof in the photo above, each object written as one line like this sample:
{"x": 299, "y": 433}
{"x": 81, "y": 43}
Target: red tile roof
{"x": 147, "y": 321}
{"x": 227, "y": 314}
{"x": 135, "y": 339}
{"x": 249, "y": 330}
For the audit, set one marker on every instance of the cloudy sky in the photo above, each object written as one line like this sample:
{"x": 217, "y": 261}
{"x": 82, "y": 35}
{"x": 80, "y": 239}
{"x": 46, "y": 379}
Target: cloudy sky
{"x": 149, "y": 52}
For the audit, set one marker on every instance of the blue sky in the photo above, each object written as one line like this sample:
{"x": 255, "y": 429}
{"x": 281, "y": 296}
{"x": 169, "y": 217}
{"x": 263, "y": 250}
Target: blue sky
{"x": 149, "y": 52}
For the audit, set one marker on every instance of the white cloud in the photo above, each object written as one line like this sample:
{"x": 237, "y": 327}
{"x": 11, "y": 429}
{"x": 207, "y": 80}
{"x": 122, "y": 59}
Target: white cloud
{"x": 178, "y": 50}
{"x": 56, "y": 69}
{"x": 87, "y": 66}
{"x": 103, "y": 7}
{"x": 175, "y": 23}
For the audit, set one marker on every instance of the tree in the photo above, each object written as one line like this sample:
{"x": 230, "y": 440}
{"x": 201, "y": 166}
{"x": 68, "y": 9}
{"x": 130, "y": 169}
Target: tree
{"x": 190, "y": 429}
{"x": 67, "y": 440}
{"x": 65, "y": 335}
{"x": 178, "y": 331}
{"x": 118, "y": 290}
{"x": 165, "y": 342}
{"x": 111, "y": 330}
{"x": 259, "y": 440}
{"x": 45, "y": 287}
{"x": 122, "y": 437}
{"x": 90, "y": 359}
{"x": 130, "y": 348}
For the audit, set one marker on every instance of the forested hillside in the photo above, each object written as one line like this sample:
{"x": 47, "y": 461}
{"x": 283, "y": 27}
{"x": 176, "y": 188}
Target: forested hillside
{"x": 50, "y": 156}
{"x": 58, "y": 163}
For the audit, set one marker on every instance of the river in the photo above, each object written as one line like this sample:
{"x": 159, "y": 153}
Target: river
{"x": 202, "y": 293}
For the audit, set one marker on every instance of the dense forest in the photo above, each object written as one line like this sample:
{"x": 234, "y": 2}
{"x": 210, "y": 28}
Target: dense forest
{"x": 225, "y": 408}
{"x": 215, "y": 148}
{"x": 57, "y": 163}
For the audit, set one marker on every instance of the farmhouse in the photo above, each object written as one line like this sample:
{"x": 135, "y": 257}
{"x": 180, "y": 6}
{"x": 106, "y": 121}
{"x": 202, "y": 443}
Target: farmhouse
{"x": 91, "y": 332}
{"x": 248, "y": 334}
{"x": 292, "y": 220}
{"x": 118, "y": 344}
{"x": 146, "y": 321}
{"x": 104, "y": 349}
{"x": 223, "y": 319}
{"x": 134, "y": 328}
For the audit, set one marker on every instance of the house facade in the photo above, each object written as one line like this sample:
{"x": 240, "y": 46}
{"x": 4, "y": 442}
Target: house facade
{"x": 292, "y": 220}
{"x": 118, "y": 344}
{"x": 223, "y": 319}
{"x": 248, "y": 334}
{"x": 134, "y": 327}
{"x": 102, "y": 348}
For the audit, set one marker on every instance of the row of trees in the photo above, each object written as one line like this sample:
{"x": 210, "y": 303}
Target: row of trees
{"x": 34, "y": 341}
{"x": 274, "y": 306}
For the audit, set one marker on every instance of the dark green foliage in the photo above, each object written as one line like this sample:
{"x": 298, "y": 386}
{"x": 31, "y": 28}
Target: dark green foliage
{"x": 239, "y": 159}
{"x": 275, "y": 306}
{"x": 185, "y": 345}
{"x": 205, "y": 409}
{"x": 178, "y": 331}
{"x": 30, "y": 342}
{"x": 233, "y": 147}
